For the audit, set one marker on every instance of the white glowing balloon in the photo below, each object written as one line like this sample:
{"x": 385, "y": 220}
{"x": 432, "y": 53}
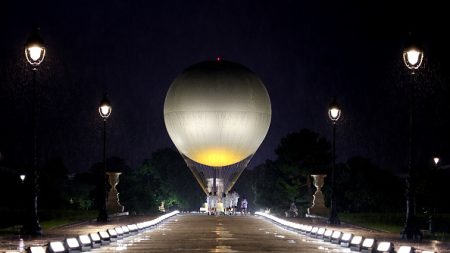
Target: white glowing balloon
{"x": 217, "y": 113}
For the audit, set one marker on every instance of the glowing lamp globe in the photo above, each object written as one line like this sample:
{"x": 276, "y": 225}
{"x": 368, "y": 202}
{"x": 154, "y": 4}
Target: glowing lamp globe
{"x": 217, "y": 114}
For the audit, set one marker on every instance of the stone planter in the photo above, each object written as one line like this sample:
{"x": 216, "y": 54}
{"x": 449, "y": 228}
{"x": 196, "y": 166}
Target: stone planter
{"x": 113, "y": 205}
{"x": 318, "y": 207}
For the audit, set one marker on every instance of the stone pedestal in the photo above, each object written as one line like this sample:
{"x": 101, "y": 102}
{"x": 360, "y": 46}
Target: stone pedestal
{"x": 318, "y": 207}
{"x": 113, "y": 205}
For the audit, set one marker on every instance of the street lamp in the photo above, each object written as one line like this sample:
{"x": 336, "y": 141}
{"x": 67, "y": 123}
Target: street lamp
{"x": 105, "y": 110}
{"x": 34, "y": 53}
{"x": 412, "y": 58}
{"x": 22, "y": 177}
{"x": 334, "y": 112}
{"x": 436, "y": 161}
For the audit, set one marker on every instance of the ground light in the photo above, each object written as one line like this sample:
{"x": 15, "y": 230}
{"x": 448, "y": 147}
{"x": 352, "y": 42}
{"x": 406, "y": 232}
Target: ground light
{"x": 406, "y": 249}
{"x": 36, "y": 249}
{"x": 385, "y": 247}
{"x": 133, "y": 228}
{"x": 336, "y": 237}
{"x": 346, "y": 239}
{"x": 96, "y": 240}
{"x": 368, "y": 245}
{"x": 55, "y": 247}
{"x": 119, "y": 232}
{"x": 306, "y": 230}
{"x": 85, "y": 242}
{"x": 313, "y": 231}
{"x": 104, "y": 236}
{"x": 125, "y": 230}
{"x": 112, "y": 235}
{"x": 356, "y": 243}
{"x": 327, "y": 235}
{"x": 320, "y": 233}
{"x": 72, "y": 245}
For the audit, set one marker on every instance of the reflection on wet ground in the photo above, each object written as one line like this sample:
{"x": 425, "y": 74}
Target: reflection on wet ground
{"x": 200, "y": 233}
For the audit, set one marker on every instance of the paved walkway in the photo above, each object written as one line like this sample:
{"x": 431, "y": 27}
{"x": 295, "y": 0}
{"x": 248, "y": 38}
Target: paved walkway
{"x": 222, "y": 234}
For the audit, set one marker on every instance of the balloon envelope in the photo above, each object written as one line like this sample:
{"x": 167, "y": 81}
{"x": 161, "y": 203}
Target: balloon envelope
{"x": 217, "y": 113}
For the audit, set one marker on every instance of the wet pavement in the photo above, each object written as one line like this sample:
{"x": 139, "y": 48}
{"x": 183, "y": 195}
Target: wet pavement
{"x": 226, "y": 234}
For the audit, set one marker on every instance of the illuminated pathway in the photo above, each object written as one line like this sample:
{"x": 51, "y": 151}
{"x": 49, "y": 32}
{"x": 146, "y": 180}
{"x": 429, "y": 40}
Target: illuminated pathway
{"x": 200, "y": 233}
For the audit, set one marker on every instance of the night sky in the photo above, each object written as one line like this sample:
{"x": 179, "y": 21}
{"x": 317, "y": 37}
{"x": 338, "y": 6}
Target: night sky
{"x": 304, "y": 52}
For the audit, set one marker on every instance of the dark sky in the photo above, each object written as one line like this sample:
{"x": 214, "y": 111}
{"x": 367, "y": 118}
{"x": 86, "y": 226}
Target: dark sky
{"x": 304, "y": 51}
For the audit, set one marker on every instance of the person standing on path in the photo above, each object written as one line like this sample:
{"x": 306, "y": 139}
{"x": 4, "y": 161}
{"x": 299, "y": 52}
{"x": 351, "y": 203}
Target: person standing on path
{"x": 235, "y": 199}
{"x": 244, "y": 204}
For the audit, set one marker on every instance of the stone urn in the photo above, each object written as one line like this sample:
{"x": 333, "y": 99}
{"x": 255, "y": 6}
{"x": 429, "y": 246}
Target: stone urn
{"x": 113, "y": 205}
{"x": 318, "y": 206}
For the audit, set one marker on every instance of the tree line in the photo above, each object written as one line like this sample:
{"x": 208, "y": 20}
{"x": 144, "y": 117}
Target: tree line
{"x": 361, "y": 186}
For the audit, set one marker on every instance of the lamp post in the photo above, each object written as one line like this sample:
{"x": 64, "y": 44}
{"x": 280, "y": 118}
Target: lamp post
{"x": 105, "y": 110}
{"x": 412, "y": 58}
{"x": 34, "y": 53}
{"x": 334, "y": 112}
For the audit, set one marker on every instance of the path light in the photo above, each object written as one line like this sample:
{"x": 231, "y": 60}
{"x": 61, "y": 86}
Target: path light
{"x": 313, "y": 231}
{"x": 119, "y": 232}
{"x": 72, "y": 245}
{"x": 346, "y": 239}
{"x": 133, "y": 228}
{"x": 96, "y": 240}
{"x": 336, "y": 237}
{"x": 125, "y": 230}
{"x": 356, "y": 243}
{"x": 385, "y": 247}
{"x": 85, "y": 242}
{"x": 104, "y": 236}
{"x": 55, "y": 247}
{"x": 320, "y": 233}
{"x": 112, "y": 235}
{"x": 327, "y": 235}
{"x": 368, "y": 245}
{"x": 36, "y": 249}
{"x": 407, "y": 249}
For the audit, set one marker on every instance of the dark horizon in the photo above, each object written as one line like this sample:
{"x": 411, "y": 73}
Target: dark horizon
{"x": 305, "y": 53}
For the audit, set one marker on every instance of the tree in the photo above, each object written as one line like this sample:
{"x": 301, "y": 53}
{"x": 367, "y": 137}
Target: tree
{"x": 178, "y": 186}
{"x": 363, "y": 187}
{"x": 139, "y": 189}
{"x": 53, "y": 185}
{"x": 299, "y": 155}
{"x": 163, "y": 177}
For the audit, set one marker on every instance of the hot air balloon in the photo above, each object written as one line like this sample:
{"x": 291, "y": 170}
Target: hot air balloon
{"x": 217, "y": 114}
